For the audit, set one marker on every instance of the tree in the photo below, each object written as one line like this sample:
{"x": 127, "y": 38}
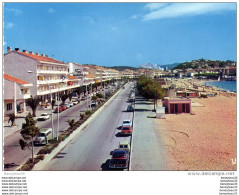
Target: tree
{"x": 94, "y": 98}
{"x": 82, "y": 116}
{"x": 150, "y": 89}
{"x": 71, "y": 123}
{"x": 64, "y": 98}
{"x": 70, "y": 94}
{"x": 12, "y": 119}
{"x": 99, "y": 95}
{"x": 79, "y": 90}
{"x": 29, "y": 132}
{"x": 33, "y": 102}
{"x": 53, "y": 104}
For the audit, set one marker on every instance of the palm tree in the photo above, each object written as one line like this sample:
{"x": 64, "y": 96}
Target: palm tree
{"x": 71, "y": 123}
{"x": 33, "y": 103}
{"x": 12, "y": 118}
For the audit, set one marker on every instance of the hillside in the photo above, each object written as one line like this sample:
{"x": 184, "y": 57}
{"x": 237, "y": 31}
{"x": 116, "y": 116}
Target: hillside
{"x": 202, "y": 63}
{"x": 121, "y": 68}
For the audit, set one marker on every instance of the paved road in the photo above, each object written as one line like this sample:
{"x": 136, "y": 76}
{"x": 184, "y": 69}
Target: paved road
{"x": 147, "y": 147}
{"x": 91, "y": 148}
{"x": 14, "y": 156}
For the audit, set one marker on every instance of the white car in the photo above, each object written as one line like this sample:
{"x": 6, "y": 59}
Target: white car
{"x": 43, "y": 117}
{"x": 127, "y": 123}
{"x": 71, "y": 104}
{"x": 74, "y": 102}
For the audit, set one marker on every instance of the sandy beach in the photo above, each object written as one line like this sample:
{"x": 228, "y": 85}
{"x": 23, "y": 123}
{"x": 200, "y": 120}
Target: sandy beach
{"x": 204, "y": 140}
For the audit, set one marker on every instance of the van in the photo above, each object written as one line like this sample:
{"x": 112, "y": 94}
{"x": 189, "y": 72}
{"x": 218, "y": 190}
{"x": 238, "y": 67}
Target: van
{"x": 43, "y": 137}
{"x": 124, "y": 145}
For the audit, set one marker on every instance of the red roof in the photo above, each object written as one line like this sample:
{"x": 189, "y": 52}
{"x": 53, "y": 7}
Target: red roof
{"x": 39, "y": 58}
{"x": 70, "y": 77}
{"x": 14, "y": 79}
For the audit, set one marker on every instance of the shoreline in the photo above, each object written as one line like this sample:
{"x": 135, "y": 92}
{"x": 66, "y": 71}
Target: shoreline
{"x": 218, "y": 88}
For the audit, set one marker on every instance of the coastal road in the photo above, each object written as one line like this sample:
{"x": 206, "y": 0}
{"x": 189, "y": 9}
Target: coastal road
{"x": 90, "y": 150}
{"x": 14, "y": 156}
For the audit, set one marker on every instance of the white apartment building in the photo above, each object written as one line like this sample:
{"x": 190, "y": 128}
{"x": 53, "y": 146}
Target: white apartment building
{"x": 81, "y": 72}
{"x": 46, "y": 74}
{"x": 128, "y": 73}
{"x": 16, "y": 91}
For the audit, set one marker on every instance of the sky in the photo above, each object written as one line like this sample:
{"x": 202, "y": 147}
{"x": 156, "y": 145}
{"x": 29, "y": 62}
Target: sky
{"x": 122, "y": 34}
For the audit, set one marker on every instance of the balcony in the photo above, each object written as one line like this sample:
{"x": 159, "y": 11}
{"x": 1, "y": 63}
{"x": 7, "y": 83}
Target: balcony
{"x": 44, "y": 92}
{"x": 52, "y": 71}
{"x": 40, "y": 82}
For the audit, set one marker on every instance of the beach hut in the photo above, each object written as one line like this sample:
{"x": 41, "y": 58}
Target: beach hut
{"x": 177, "y": 105}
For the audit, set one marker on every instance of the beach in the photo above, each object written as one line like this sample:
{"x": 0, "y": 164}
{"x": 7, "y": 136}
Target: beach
{"x": 204, "y": 139}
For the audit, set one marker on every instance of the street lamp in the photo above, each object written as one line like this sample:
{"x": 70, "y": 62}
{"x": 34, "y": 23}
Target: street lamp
{"x": 29, "y": 71}
{"x": 58, "y": 96}
{"x": 91, "y": 92}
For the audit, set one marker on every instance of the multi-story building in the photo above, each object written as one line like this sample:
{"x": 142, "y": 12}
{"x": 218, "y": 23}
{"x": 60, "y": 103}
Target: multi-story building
{"x": 47, "y": 75}
{"x": 127, "y": 73}
{"x": 16, "y": 91}
{"x": 96, "y": 72}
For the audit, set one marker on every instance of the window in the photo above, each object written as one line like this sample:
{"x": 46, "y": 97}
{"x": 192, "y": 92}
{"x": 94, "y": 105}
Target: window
{"x": 9, "y": 106}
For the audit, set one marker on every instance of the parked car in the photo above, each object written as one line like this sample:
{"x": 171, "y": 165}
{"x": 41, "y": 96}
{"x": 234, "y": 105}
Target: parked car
{"x": 84, "y": 98}
{"x": 127, "y": 123}
{"x": 60, "y": 109}
{"x": 71, "y": 104}
{"x": 126, "y": 130}
{"x": 130, "y": 108}
{"x": 124, "y": 145}
{"x": 63, "y": 107}
{"x": 120, "y": 159}
{"x": 67, "y": 105}
{"x": 94, "y": 103}
{"x": 74, "y": 102}
{"x": 43, "y": 117}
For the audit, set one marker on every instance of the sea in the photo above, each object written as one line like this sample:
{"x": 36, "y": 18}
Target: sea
{"x": 225, "y": 85}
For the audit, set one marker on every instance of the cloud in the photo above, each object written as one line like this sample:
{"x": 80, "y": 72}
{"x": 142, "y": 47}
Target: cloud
{"x": 9, "y": 25}
{"x": 51, "y": 11}
{"x": 15, "y": 11}
{"x": 172, "y": 10}
{"x": 155, "y": 6}
{"x": 134, "y": 17}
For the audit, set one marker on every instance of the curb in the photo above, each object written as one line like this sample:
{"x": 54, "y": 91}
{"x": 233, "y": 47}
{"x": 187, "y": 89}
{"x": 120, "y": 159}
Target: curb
{"x": 48, "y": 157}
{"x": 131, "y": 139}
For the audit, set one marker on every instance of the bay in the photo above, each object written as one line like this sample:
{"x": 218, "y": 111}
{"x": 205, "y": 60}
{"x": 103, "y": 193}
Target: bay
{"x": 225, "y": 85}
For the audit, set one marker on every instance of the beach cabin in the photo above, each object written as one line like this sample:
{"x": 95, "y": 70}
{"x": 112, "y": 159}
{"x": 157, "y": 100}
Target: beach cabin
{"x": 187, "y": 94}
{"x": 177, "y": 105}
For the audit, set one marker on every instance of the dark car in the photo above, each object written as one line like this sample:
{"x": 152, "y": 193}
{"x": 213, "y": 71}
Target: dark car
{"x": 120, "y": 159}
{"x": 130, "y": 108}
